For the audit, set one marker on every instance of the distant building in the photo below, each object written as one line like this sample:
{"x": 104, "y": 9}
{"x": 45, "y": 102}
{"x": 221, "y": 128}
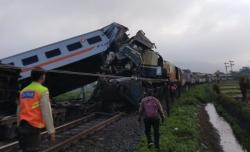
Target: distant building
{"x": 222, "y": 76}
{"x": 244, "y": 71}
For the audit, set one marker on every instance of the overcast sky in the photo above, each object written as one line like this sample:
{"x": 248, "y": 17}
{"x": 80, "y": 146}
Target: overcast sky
{"x": 196, "y": 34}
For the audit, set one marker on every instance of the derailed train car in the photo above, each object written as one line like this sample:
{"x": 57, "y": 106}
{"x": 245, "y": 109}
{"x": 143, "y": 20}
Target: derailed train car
{"x": 106, "y": 51}
{"x": 140, "y": 61}
{"x": 174, "y": 75}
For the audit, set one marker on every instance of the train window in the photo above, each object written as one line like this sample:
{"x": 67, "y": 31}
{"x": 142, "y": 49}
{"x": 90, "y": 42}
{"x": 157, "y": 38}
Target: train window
{"x": 94, "y": 40}
{"x": 53, "y": 53}
{"x": 11, "y": 63}
{"x": 30, "y": 60}
{"x": 108, "y": 33}
{"x": 74, "y": 46}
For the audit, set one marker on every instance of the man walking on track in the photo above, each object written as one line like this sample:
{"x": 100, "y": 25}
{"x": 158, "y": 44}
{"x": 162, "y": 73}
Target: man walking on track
{"x": 151, "y": 110}
{"x": 34, "y": 113}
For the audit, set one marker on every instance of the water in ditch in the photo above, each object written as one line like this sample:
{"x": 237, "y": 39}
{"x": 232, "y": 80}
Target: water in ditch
{"x": 227, "y": 139}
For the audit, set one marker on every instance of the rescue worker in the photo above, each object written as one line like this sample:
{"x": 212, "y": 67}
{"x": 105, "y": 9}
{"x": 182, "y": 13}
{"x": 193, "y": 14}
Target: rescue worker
{"x": 34, "y": 113}
{"x": 151, "y": 110}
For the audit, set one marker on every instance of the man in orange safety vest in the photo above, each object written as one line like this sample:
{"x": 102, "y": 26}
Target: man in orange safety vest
{"x": 34, "y": 112}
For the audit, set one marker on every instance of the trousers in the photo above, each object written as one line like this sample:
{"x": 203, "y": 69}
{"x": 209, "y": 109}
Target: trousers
{"x": 155, "y": 123}
{"x": 29, "y": 137}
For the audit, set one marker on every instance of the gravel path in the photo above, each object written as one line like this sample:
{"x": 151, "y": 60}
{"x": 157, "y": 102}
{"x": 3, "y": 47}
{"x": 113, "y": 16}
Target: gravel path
{"x": 122, "y": 136}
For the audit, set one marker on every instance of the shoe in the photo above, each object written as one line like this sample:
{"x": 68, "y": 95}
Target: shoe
{"x": 157, "y": 148}
{"x": 150, "y": 145}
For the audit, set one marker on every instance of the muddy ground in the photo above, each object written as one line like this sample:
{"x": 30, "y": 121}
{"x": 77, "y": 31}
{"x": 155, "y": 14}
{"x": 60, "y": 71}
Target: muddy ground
{"x": 209, "y": 135}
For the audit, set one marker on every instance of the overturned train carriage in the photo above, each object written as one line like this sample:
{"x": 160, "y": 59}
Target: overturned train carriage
{"x": 83, "y": 53}
{"x": 108, "y": 50}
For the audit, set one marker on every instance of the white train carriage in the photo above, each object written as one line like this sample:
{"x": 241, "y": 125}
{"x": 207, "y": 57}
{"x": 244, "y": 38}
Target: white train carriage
{"x": 81, "y": 54}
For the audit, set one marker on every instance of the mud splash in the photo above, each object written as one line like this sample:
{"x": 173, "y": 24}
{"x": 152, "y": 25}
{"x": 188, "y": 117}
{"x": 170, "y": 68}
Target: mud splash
{"x": 227, "y": 139}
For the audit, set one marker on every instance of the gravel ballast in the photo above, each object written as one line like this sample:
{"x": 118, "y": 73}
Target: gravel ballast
{"x": 121, "y": 136}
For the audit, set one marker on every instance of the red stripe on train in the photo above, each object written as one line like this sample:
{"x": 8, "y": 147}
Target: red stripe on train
{"x": 59, "y": 59}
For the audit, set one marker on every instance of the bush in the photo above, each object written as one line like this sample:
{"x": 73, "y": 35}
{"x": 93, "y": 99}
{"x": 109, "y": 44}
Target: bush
{"x": 244, "y": 86}
{"x": 216, "y": 88}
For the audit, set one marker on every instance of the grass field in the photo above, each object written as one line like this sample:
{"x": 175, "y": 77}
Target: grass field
{"x": 230, "y": 88}
{"x": 76, "y": 94}
{"x": 181, "y": 131}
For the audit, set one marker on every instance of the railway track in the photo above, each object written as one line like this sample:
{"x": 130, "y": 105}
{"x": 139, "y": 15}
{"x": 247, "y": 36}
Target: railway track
{"x": 70, "y": 133}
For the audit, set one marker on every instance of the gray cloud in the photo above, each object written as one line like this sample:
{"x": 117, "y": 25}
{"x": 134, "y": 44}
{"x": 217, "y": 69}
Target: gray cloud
{"x": 195, "y": 34}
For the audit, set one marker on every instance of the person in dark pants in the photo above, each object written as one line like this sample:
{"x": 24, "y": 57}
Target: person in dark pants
{"x": 34, "y": 113}
{"x": 28, "y": 136}
{"x": 151, "y": 110}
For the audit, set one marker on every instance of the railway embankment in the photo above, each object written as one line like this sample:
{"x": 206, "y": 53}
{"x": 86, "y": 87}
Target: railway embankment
{"x": 188, "y": 128}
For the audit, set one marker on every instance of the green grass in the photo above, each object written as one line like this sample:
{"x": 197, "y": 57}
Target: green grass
{"x": 180, "y": 132}
{"x": 231, "y": 92}
{"x": 229, "y": 82}
{"x": 76, "y": 94}
{"x": 230, "y": 88}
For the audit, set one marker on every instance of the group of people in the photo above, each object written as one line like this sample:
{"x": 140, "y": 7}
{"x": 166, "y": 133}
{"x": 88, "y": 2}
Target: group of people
{"x": 34, "y": 113}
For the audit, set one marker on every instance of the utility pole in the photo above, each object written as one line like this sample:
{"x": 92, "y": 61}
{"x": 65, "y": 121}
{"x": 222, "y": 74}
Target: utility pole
{"x": 231, "y": 63}
{"x": 226, "y": 65}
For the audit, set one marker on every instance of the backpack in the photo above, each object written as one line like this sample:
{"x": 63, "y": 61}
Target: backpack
{"x": 150, "y": 107}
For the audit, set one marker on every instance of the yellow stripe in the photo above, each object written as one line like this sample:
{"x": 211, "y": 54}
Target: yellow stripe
{"x": 35, "y": 105}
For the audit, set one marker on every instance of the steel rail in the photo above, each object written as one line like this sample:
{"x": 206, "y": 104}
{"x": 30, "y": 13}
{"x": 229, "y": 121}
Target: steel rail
{"x": 13, "y": 145}
{"x": 85, "y": 133}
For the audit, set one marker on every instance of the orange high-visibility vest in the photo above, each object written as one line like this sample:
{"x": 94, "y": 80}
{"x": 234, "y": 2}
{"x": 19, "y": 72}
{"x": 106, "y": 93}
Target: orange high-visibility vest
{"x": 29, "y": 103}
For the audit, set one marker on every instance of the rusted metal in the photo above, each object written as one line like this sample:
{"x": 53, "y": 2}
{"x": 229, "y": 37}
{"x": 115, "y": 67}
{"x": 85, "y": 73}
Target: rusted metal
{"x": 14, "y": 145}
{"x": 66, "y": 143}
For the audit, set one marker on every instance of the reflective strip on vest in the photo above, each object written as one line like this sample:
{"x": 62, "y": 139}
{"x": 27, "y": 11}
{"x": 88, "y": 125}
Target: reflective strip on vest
{"x": 35, "y": 105}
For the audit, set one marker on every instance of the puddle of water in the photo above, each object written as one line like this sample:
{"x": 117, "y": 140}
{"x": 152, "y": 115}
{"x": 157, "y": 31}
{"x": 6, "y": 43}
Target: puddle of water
{"x": 227, "y": 139}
